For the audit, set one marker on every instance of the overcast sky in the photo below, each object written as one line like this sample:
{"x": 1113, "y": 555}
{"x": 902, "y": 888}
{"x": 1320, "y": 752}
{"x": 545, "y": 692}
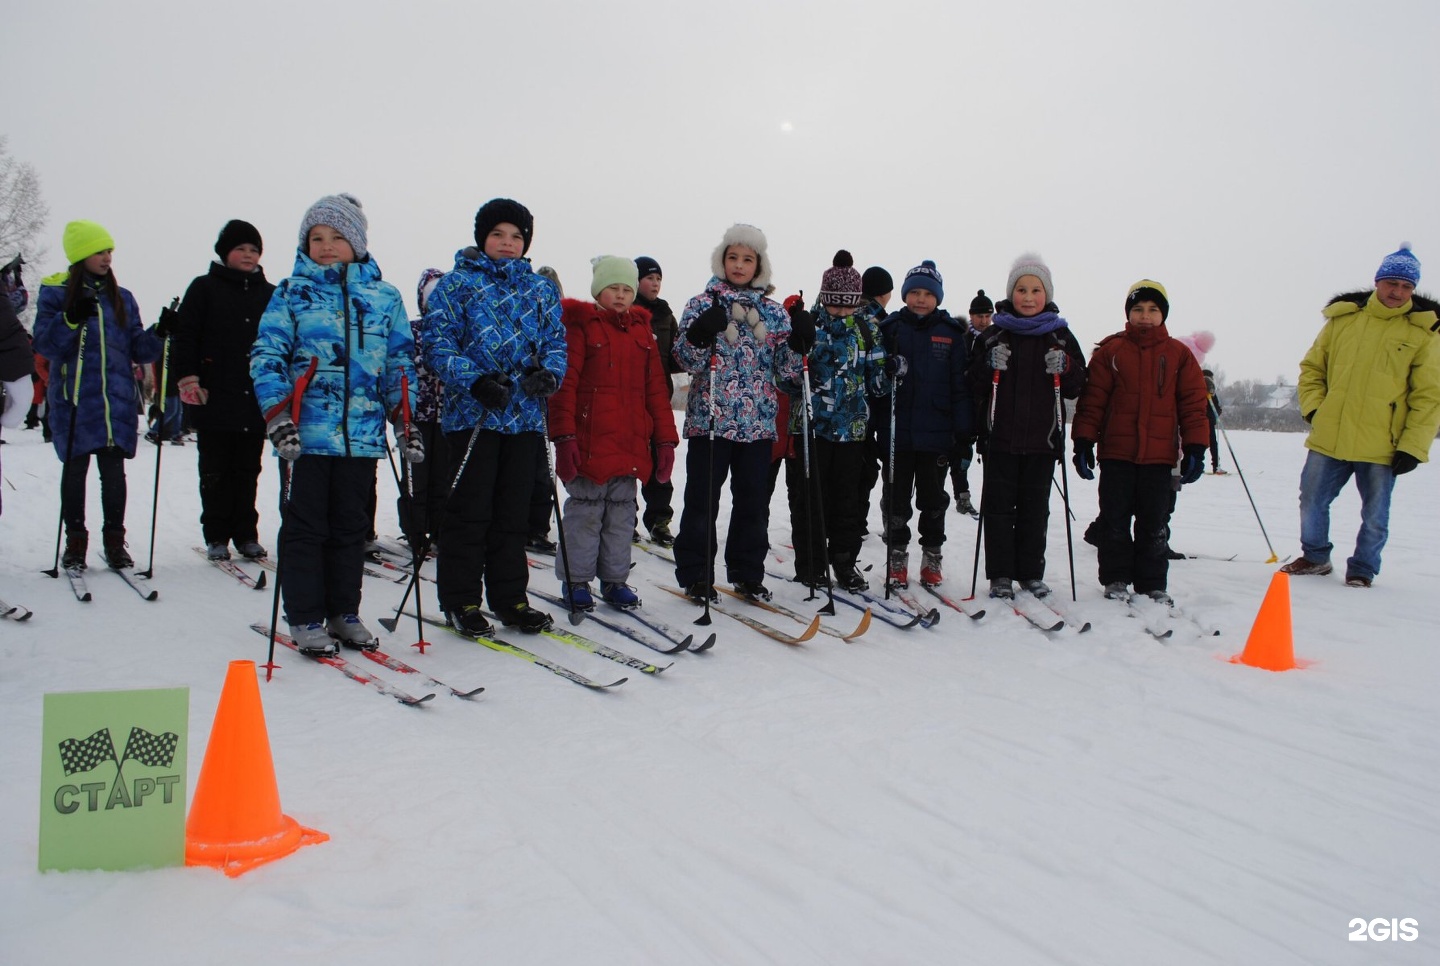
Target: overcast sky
{"x": 1255, "y": 157}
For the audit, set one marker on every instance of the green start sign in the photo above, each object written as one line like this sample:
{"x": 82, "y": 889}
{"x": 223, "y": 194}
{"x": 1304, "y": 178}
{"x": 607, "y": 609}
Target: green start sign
{"x": 112, "y": 779}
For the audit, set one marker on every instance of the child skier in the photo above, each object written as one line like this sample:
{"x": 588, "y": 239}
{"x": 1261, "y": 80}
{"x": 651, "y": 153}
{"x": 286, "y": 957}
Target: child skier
{"x": 747, "y": 337}
{"x": 1024, "y": 364}
{"x": 925, "y": 351}
{"x": 611, "y": 412}
{"x": 89, "y": 328}
{"x": 335, "y": 318}
{"x": 658, "y": 496}
{"x": 1145, "y": 391}
{"x": 419, "y": 514}
{"x": 846, "y": 364}
{"x": 493, "y": 336}
{"x": 219, "y": 319}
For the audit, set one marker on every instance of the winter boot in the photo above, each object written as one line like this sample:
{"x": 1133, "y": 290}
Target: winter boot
{"x": 115, "y": 553}
{"x": 578, "y": 596}
{"x": 540, "y": 543}
{"x": 312, "y": 639}
{"x": 1306, "y": 566}
{"x": 1001, "y": 588}
{"x": 1160, "y": 597}
{"x": 752, "y": 590}
{"x": 963, "y": 504}
{"x": 217, "y": 551}
{"x": 470, "y": 620}
{"x": 251, "y": 550}
{"x": 525, "y": 617}
{"x": 660, "y": 534}
{"x": 848, "y": 576}
{"x": 1358, "y": 580}
{"x": 930, "y": 574}
{"x": 351, "y": 633}
{"x": 76, "y": 543}
{"x": 700, "y": 591}
{"x": 1117, "y": 590}
{"x": 619, "y": 595}
{"x": 1038, "y": 588}
{"x": 898, "y": 573}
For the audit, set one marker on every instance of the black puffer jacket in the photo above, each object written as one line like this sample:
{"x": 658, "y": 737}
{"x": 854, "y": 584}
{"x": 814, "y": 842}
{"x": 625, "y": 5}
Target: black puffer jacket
{"x": 663, "y": 324}
{"x": 1025, "y": 420}
{"x": 218, "y": 322}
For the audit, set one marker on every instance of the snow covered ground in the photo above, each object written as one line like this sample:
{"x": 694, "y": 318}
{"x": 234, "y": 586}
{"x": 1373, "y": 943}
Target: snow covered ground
{"x": 977, "y": 793}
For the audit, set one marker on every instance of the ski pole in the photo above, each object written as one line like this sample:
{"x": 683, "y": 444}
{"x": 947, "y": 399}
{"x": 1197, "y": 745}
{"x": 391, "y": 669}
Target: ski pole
{"x": 69, "y": 444}
{"x": 286, "y": 471}
{"x": 149, "y": 571}
{"x": 704, "y": 619}
{"x": 1273, "y": 555}
{"x": 576, "y": 614}
{"x": 415, "y": 558}
{"x": 985, "y": 471}
{"x": 1065, "y": 481}
{"x": 890, "y": 487}
{"x": 818, "y": 518}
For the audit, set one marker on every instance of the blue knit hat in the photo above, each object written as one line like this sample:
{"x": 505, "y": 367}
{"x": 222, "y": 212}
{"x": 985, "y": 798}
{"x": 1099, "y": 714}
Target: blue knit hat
{"x": 1400, "y": 264}
{"x": 925, "y": 276}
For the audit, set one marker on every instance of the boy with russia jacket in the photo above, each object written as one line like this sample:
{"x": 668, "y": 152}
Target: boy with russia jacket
{"x": 748, "y": 336}
{"x": 1145, "y": 390}
{"x": 219, "y": 319}
{"x": 494, "y": 338}
{"x": 611, "y": 413}
{"x": 847, "y": 364}
{"x": 1018, "y": 363}
{"x": 337, "y": 320}
{"x": 925, "y": 351}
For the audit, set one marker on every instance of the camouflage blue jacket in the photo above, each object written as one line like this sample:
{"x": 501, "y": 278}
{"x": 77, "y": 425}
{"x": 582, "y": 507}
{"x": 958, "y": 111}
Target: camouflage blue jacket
{"x": 750, "y": 356}
{"x": 354, "y": 324}
{"x": 847, "y": 364}
{"x": 488, "y": 318}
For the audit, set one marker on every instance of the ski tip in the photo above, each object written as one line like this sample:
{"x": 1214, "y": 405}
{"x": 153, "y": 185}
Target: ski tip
{"x": 860, "y": 628}
{"x": 466, "y": 694}
{"x": 709, "y": 643}
{"x": 977, "y": 615}
{"x": 414, "y": 702}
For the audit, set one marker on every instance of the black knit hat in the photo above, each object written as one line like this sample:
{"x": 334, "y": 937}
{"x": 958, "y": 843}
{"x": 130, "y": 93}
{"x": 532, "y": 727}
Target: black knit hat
{"x": 981, "y": 304}
{"x": 876, "y": 282}
{"x": 646, "y": 265}
{"x": 233, "y": 235}
{"x": 499, "y": 211}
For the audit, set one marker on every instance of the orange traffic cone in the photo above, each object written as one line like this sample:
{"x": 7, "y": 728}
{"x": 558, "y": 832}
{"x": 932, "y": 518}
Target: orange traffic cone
{"x": 235, "y": 822}
{"x": 1271, "y": 645}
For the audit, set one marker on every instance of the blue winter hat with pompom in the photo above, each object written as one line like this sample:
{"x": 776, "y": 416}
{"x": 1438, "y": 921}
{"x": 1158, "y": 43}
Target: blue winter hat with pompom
{"x": 926, "y": 276}
{"x": 1400, "y": 264}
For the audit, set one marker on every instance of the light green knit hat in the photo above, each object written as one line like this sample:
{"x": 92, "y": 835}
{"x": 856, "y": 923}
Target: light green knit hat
{"x": 613, "y": 270}
{"x": 85, "y": 238}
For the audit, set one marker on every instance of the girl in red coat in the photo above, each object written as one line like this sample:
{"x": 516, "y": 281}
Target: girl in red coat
{"x": 610, "y": 410}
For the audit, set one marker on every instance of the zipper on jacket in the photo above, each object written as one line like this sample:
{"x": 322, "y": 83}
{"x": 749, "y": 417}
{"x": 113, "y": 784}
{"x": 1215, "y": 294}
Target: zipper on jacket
{"x": 1160, "y": 387}
{"x": 345, "y": 308}
{"x": 104, "y": 376}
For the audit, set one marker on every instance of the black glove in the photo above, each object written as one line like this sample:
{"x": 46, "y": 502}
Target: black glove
{"x": 896, "y": 366}
{"x": 169, "y": 322}
{"x": 707, "y": 325}
{"x": 84, "y": 306}
{"x": 1085, "y": 459}
{"x": 493, "y": 392}
{"x": 539, "y": 383}
{"x": 1310, "y": 415}
{"x": 802, "y": 328}
{"x": 1192, "y": 464}
{"x": 1403, "y": 462}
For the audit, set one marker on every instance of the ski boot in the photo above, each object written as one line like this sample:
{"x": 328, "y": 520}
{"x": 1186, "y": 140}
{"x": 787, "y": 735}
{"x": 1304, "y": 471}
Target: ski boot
{"x": 898, "y": 573}
{"x": 312, "y": 639}
{"x": 1037, "y": 588}
{"x": 1001, "y": 588}
{"x": 619, "y": 595}
{"x": 115, "y": 553}
{"x": 351, "y": 633}
{"x": 470, "y": 621}
{"x": 699, "y": 592}
{"x": 752, "y": 590}
{"x": 930, "y": 574}
{"x": 525, "y": 617}
{"x": 217, "y": 551}
{"x": 76, "y": 543}
{"x": 251, "y": 550}
{"x": 661, "y": 536}
{"x": 963, "y": 504}
{"x": 578, "y": 596}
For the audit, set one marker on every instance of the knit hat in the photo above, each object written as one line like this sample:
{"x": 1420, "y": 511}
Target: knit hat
{"x": 746, "y": 236}
{"x": 645, "y": 265}
{"x": 876, "y": 282}
{"x": 428, "y": 280}
{"x": 611, "y": 270}
{"x": 499, "y": 211}
{"x": 343, "y": 213}
{"x": 1030, "y": 264}
{"x": 234, "y": 234}
{"x": 981, "y": 304}
{"x": 924, "y": 276}
{"x": 841, "y": 285}
{"x": 83, "y": 239}
{"x": 1402, "y": 265}
{"x": 1147, "y": 289}
{"x": 545, "y": 271}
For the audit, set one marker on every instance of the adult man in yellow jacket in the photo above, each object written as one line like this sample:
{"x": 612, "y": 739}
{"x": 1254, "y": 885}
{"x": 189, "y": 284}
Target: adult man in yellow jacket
{"x": 1370, "y": 390}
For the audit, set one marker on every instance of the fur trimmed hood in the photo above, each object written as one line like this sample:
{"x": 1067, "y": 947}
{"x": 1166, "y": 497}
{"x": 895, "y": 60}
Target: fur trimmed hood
{"x": 1419, "y": 304}
{"x": 752, "y": 238}
{"x": 576, "y": 312}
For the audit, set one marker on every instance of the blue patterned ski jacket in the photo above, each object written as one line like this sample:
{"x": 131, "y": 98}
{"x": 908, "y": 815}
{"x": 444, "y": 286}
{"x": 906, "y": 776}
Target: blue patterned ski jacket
{"x": 488, "y": 317}
{"x": 847, "y": 365}
{"x": 107, "y": 412}
{"x": 747, "y": 368}
{"x": 355, "y": 324}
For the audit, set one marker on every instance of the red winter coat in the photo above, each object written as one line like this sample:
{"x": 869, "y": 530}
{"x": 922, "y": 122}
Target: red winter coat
{"x": 1144, "y": 398}
{"x": 613, "y": 400}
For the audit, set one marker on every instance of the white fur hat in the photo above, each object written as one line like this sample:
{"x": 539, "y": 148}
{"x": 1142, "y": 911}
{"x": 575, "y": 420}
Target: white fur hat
{"x": 749, "y": 237}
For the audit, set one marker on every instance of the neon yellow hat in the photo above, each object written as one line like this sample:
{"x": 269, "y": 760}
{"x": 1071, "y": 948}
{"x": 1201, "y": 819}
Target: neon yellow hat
{"x": 85, "y": 238}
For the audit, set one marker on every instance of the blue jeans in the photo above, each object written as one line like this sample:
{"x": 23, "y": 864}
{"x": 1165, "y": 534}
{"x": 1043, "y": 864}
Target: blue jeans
{"x": 1320, "y": 482}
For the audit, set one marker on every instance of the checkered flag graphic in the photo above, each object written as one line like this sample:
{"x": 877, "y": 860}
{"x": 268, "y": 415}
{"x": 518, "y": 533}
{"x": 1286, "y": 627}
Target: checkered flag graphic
{"x": 154, "y": 751}
{"x": 83, "y": 754}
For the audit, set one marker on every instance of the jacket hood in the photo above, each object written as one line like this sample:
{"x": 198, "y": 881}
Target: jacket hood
{"x": 1424, "y": 311}
{"x": 472, "y": 259}
{"x": 576, "y": 312}
{"x": 306, "y": 267}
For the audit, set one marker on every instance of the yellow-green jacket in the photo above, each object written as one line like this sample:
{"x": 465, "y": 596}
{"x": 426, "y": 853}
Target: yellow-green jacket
{"x": 1372, "y": 379}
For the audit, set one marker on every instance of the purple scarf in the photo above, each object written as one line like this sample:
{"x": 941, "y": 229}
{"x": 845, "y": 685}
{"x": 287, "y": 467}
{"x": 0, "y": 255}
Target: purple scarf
{"x": 1042, "y": 324}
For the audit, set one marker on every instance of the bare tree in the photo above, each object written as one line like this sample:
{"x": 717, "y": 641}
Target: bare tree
{"x": 23, "y": 211}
